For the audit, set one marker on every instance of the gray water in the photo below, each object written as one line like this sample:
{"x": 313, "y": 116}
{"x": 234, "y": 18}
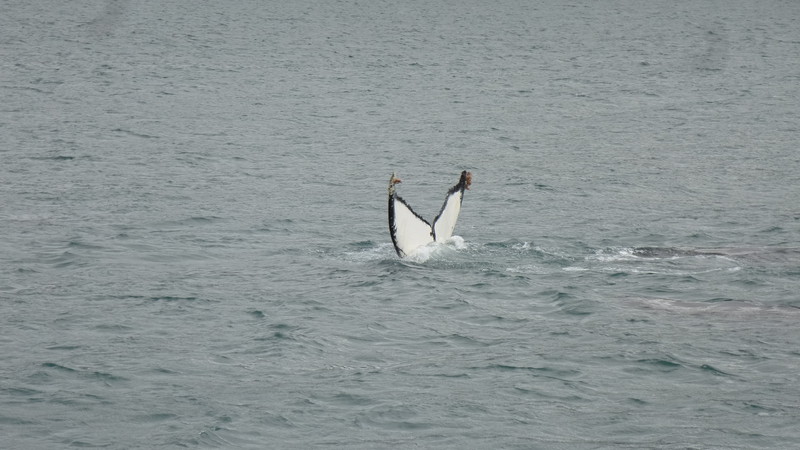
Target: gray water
{"x": 195, "y": 250}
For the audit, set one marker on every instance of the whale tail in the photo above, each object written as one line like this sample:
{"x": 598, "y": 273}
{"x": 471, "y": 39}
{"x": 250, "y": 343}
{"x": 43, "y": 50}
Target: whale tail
{"x": 410, "y": 231}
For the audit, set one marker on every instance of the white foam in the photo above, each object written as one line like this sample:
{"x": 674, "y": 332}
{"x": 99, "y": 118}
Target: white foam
{"x": 523, "y": 246}
{"x": 381, "y": 251}
{"x": 457, "y": 242}
{"x": 437, "y": 249}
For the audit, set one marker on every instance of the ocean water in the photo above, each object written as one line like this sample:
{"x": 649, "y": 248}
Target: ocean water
{"x": 195, "y": 250}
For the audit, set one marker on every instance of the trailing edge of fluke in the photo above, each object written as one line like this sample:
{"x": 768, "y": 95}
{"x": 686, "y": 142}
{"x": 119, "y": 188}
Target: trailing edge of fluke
{"x": 410, "y": 231}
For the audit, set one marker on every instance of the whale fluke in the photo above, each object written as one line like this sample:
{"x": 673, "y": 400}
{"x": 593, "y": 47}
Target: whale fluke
{"x": 410, "y": 231}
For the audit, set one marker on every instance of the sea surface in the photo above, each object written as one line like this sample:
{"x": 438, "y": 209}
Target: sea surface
{"x": 194, "y": 249}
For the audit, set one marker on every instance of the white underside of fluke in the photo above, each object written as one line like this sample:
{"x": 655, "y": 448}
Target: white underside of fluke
{"x": 410, "y": 231}
{"x": 445, "y": 222}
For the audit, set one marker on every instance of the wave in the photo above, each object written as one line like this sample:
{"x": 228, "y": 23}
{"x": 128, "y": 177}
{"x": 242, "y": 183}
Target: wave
{"x": 530, "y": 259}
{"x": 717, "y": 307}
